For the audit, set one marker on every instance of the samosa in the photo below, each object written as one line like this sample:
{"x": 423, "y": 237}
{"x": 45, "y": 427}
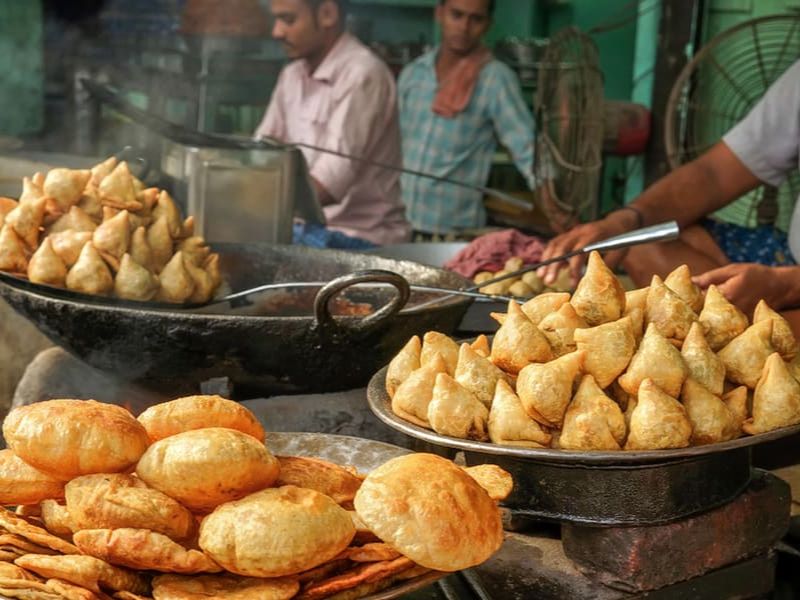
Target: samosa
{"x": 434, "y": 343}
{"x": 705, "y": 367}
{"x": 783, "y": 339}
{"x": 658, "y": 422}
{"x": 656, "y": 359}
{"x": 135, "y": 282}
{"x": 720, "y": 319}
{"x": 113, "y": 237}
{"x": 213, "y": 269}
{"x": 46, "y": 266}
{"x": 609, "y": 349}
{"x": 403, "y": 364}
{"x": 680, "y": 282}
{"x": 414, "y": 394}
{"x": 745, "y": 355}
{"x": 593, "y": 421}
{"x": 481, "y": 346}
{"x": 776, "y": 400}
{"x": 545, "y": 390}
{"x": 165, "y": 207}
{"x": 160, "y": 243}
{"x": 116, "y": 189}
{"x": 671, "y": 315}
{"x": 195, "y": 250}
{"x": 712, "y": 421}
{"x": 538, "y": 307}
{"x": 203, "y": 285}
{"x": 101, "y": 170}
{"x": 456, "y": 412}
{"x": 31, "y": 190}
{"x": 518, "y": 342}
{"x": 510, "y": 425}
{"x": 90, "y": 274}
{"x": 26, "y": 219}
{"x": 90, "y": 203}
{"x": 636, "y": 299}
{"x": 140, "y": 249}
{"x": 599, "y": 297}
{"x": 736, "y": 400}
{"x": 559, "y": 329}
{"x": 177, "y": 284}
{"x": 477, "y": 374}
{"x": 6, "y": 206}
{"x": 66, "y": 186}
{"x": 187, "y": 229}
{"x": 68, "y": 244}
{"x": 12, "y": 251}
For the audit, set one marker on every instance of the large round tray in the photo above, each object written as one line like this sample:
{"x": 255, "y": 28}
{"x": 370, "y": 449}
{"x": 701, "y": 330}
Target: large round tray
{"x": 598, "y": 488}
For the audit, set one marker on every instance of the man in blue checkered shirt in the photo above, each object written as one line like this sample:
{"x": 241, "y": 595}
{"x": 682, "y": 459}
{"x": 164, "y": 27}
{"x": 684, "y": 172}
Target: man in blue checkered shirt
{"x": 456, "y": 101}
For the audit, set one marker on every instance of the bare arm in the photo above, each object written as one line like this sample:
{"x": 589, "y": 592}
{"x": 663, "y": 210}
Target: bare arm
{"x": 686, "y": 195}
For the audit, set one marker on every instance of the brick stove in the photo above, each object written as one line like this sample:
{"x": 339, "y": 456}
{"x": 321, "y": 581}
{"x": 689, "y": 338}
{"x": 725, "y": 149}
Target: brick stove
{"x": 725, "y": 553}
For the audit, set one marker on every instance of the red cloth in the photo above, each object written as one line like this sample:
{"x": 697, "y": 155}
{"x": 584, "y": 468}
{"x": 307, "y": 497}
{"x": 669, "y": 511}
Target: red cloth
{"x": 456, "y": 90}
{"x": 491, "y": 251}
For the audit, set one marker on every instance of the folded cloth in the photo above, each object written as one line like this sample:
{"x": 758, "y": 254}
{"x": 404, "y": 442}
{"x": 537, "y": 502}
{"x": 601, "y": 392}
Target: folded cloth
{"x": 317, "y": 236}
{"x": 455, "y": 92}
{"x": 491, "y": 251}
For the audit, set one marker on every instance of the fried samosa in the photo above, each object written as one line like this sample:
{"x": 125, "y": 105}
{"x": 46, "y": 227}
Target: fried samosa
{"x": 656, "y": 359}
{"x": 140, "y": 249}
{"x": 481, "y": 346}
{"x": 599, "y": 297}
{"x": 636, "y": 299}
{"x": 203, "y": 285}
{"x": 6, "y": 206}
{"x": 680, "y": 282}
{"x": 403, "y": 364}
{"x": 794, "y": 367}
{"x": 510, "y": 425}
{"x": 414, "y": 394}
{"x": 116, "y": 189}
{"x": 477, "y": 374}
{"x": 75, "y": 220}
{"x": 737, "y": 402}
{"x": 720, "y": 319}
{"x": 165, "y": 207}
{"x": 434, "y": 343}
{"x": 669, "y": 312}
{"x": 745, "y": 355}
{"x": 134, "y": 282}
{"x": 658, "y": 422}
{"x": 538, "y": 307}
{"x": 593, "y": 421}
{"x": 712, "y": 421}
{"x": 456, "y": 412}
{"x": 609, "y": 349}
{"x": 12, "y": 251}
{"x": 26, "y": 219}
{"x": 31, "y": 190}
{"x": 66, "y": 186}
{"x": 559, "y": 329}
{"x": 195, "y": 250}
{"x": 68, "y": 244}
{"x": 518, "y": 342}
{"x": 46, "y": 266}
{"x": 177, "y": 284}
{"x": 212, "y": 268}
{"x": 705, "y": 366}
{"x": 114, "y": 236}
{"x": 545, "y": 390}
{"x": 103, "y": 169}
{"x": 776, "y": 400}
{"x": 187, "y": 229}
{"x": 783, "y": 339}
{"x": 90, "y": 274}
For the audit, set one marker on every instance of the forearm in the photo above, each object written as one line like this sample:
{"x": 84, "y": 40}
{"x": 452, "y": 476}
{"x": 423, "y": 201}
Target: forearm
{"x": 789, "y": 283}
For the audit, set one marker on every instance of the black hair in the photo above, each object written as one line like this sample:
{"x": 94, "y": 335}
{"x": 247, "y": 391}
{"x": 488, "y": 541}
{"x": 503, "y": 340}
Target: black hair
{"x": 343, "y": 5}
{"x": 491, "y": 5}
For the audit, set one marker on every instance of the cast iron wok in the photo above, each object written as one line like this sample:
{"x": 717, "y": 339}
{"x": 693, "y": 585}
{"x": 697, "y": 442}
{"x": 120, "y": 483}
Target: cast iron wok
{"x": 174, "y": 349}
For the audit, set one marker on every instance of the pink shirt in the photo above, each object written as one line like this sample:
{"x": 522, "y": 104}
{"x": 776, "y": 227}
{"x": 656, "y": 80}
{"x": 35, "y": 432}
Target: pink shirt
{"x": 349, "y": 104}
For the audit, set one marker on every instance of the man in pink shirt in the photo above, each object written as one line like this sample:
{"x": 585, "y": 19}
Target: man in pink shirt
{"x": 336, "y": 94}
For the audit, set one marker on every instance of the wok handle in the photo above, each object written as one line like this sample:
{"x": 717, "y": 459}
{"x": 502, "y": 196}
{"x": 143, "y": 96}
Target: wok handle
{"x": 324, "y": 317}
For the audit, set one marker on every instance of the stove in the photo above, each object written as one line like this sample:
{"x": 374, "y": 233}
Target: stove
{"x": 729, "y": 552}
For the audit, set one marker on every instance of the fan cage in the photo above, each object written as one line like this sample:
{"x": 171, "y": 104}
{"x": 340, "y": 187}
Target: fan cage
{"x": 717, "y": 89}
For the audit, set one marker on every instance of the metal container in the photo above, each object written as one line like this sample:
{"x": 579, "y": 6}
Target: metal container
{"x": 599, "y": 488}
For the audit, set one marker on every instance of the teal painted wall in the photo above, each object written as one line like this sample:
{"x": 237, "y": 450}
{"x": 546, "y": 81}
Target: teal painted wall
{"x": 21, "y": 67}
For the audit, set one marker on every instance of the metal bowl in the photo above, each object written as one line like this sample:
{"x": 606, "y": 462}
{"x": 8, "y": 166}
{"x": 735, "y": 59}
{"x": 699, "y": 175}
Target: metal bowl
{"x": 598, "y": 488}
{"x": 176, "y": 349}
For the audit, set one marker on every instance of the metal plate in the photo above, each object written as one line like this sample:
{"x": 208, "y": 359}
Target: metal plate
{"x": 381, "y": 405}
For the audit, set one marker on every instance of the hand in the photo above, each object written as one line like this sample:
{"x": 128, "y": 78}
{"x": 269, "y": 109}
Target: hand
{"x": 577, "y": 238}
{"x": 744, "y": 284}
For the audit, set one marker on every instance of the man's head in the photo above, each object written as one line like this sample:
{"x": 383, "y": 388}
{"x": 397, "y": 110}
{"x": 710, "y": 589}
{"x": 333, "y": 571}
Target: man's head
{"x": 464, "y": 23}
{"x": 307, "y": 28}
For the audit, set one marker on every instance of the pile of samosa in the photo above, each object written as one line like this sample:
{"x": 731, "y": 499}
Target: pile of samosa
{"x": 100, "y": 231}
{"x": 188, "y": 501}
{"x": 661, "y": 367}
